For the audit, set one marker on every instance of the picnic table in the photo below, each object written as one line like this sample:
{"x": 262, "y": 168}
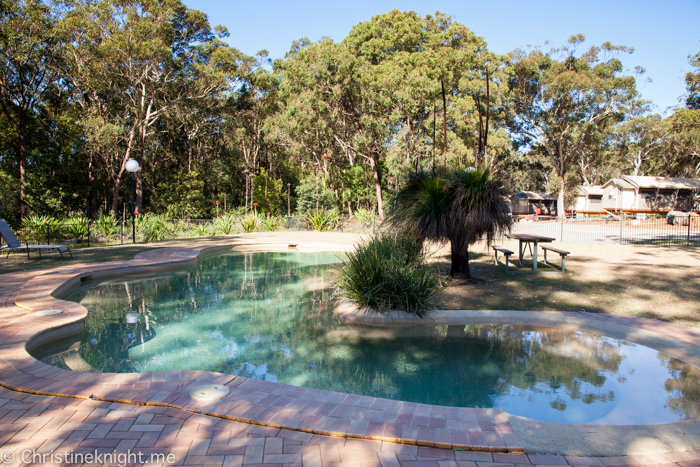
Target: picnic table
{"x": 526, "y": 240}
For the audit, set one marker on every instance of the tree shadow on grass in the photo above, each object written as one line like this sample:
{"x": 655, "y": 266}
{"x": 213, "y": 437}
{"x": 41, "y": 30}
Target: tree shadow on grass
{"x": 664, "y": 292}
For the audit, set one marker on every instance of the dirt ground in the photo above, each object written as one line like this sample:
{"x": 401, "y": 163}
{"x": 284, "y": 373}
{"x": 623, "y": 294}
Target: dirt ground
{"x": 653, "y": 282}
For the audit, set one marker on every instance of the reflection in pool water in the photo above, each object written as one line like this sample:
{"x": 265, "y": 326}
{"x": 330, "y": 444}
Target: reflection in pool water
{"x": 269, "y": 316}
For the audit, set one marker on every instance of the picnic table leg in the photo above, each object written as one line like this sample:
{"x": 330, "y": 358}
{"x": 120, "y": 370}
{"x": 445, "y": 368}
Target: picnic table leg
{"x": 534, "y": 258}
{"x": 520, "y": 250}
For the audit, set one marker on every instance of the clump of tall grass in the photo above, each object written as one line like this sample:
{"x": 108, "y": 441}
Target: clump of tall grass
{"x": 249, "y": 223}
{"x": 39, "y": 226}
{"x": 226, "y": 224}
{"x": 364, "y": 217}
{"x": 389, "y": 271}
{"x": 204, "y": 229}
{"x": 323, "y": 220}
{"x": 106, "y": 227}
{"x": 270, "y": 223}
{"x": 153, "y": 227}
{"x": 76, "y": 227}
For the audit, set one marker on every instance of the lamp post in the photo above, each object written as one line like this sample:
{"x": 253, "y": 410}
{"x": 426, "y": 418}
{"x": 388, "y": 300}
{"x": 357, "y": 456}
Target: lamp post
{"x": 288, "y": 210}
{"x": 132, "y": 166}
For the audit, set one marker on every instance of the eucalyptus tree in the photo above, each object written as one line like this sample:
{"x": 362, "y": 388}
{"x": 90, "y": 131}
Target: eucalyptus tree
{"x": 379, "y": 86}
{"x": 132, "y": 62}
{"x": 684, "y": 141}
{"x": 562, "y": 101}
{"x": 29, "y": 66}
{"x": 640, "y": 141}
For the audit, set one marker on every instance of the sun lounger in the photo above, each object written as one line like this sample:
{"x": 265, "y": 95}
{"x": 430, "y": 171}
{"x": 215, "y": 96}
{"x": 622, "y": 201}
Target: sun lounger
{"x": 14, "y": 244}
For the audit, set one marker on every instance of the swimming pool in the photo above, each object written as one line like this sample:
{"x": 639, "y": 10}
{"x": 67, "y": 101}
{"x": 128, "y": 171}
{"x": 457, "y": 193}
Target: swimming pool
{"x": 269, "y": 316}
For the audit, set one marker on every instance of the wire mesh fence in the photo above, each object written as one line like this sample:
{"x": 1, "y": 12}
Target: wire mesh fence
{"x": 619, "y": 229}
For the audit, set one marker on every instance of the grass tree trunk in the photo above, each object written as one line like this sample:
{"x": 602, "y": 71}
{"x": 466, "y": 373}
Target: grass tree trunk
{"x": 459, "y": 268}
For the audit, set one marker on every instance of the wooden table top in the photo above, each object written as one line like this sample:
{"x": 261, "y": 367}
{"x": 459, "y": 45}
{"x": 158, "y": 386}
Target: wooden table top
{"x": 530, "y": 238}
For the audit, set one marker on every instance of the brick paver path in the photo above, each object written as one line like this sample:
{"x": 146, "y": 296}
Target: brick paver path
{"x": 32, "y": 425}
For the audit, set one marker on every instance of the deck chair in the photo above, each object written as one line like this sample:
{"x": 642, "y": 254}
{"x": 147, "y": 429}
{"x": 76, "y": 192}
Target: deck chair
{"x": 14, "y": 244}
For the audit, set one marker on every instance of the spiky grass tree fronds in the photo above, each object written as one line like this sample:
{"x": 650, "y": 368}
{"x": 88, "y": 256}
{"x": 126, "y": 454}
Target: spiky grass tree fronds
{"x": 480, "y": 210}
{"x": 461, "y": 206}
{"x": 423, "y": 207}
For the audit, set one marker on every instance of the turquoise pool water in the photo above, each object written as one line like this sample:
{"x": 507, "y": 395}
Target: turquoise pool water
{"x": 269, "y": 316}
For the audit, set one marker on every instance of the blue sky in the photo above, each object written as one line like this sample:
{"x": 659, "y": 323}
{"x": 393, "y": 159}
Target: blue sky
{"x": 663, "y": 34}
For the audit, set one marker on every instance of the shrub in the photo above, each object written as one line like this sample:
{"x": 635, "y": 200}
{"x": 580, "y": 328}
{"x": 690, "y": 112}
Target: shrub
{"x": 76, "y": 227}
{"x": 153, "y": 227}
{"x": 204, "y": 229}
{"x": 106, "y": 226}
{"x": 389, "y": 272}
{"x": 270, "y": 224}
{"x": 38, "y": 226}
{"x": 364, "y": 217}
{"x": 225, "y": 224}
{"x": 248, "y": 223}
{"x": 323, "y": 220}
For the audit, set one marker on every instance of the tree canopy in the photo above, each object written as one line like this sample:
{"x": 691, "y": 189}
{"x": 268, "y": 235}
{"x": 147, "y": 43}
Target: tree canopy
{"x": 85, "y": 85}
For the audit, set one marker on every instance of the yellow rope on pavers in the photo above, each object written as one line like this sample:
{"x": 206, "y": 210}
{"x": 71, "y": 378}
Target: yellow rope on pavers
{"x": 271, "y": 425}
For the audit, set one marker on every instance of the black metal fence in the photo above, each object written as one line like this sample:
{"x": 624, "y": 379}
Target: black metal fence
{"x": 621, "y": 230}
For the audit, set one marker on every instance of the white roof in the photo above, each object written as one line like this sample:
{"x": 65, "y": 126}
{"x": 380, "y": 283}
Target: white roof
{"x": 591, "y": 190}
{"x": 667, "y": 183}
{"x": 620, "y": 183}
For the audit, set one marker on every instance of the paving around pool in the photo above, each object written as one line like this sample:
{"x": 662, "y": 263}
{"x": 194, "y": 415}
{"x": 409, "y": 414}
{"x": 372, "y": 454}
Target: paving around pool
{"x": 54, "y": 416}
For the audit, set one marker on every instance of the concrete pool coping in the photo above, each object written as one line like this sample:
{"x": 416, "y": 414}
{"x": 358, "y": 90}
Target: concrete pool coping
{"x": 284, "y": 406}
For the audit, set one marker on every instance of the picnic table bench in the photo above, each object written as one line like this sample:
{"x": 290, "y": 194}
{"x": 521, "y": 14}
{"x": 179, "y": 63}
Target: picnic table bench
{"x": 505, "y": 252}
{"x": 562, "y": 253}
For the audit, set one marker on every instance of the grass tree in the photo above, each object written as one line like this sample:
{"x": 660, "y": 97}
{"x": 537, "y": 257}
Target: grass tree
{"x": 459, "y": 207}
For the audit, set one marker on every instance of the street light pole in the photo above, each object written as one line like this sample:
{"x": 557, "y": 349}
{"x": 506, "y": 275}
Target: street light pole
{"x": 288, "y": 211}
{"x": 132, "y": 166}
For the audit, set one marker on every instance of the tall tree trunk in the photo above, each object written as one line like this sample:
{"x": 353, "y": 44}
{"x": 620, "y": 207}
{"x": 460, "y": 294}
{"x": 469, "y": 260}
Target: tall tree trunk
{"x": 92, "y": 176}
{"x": 377, "y": 183}
{"x": 139, "y": 175}
{"x": 22, "y": 150}
{"x": 444, "y": 125}
{"x": 561, "y": 207}
{"x": 115, "y": 193}
{"x": 486, "y": 126}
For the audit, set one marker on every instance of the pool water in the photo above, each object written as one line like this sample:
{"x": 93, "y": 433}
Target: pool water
{"x": 269, "y": 316}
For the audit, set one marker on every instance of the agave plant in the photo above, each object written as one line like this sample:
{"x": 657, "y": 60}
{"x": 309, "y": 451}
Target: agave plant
{"x": 323, "y": 220}
{"x": 249, "y": 223}
{"x": 271, "y": 223}
{"x": 226, "y": 224}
